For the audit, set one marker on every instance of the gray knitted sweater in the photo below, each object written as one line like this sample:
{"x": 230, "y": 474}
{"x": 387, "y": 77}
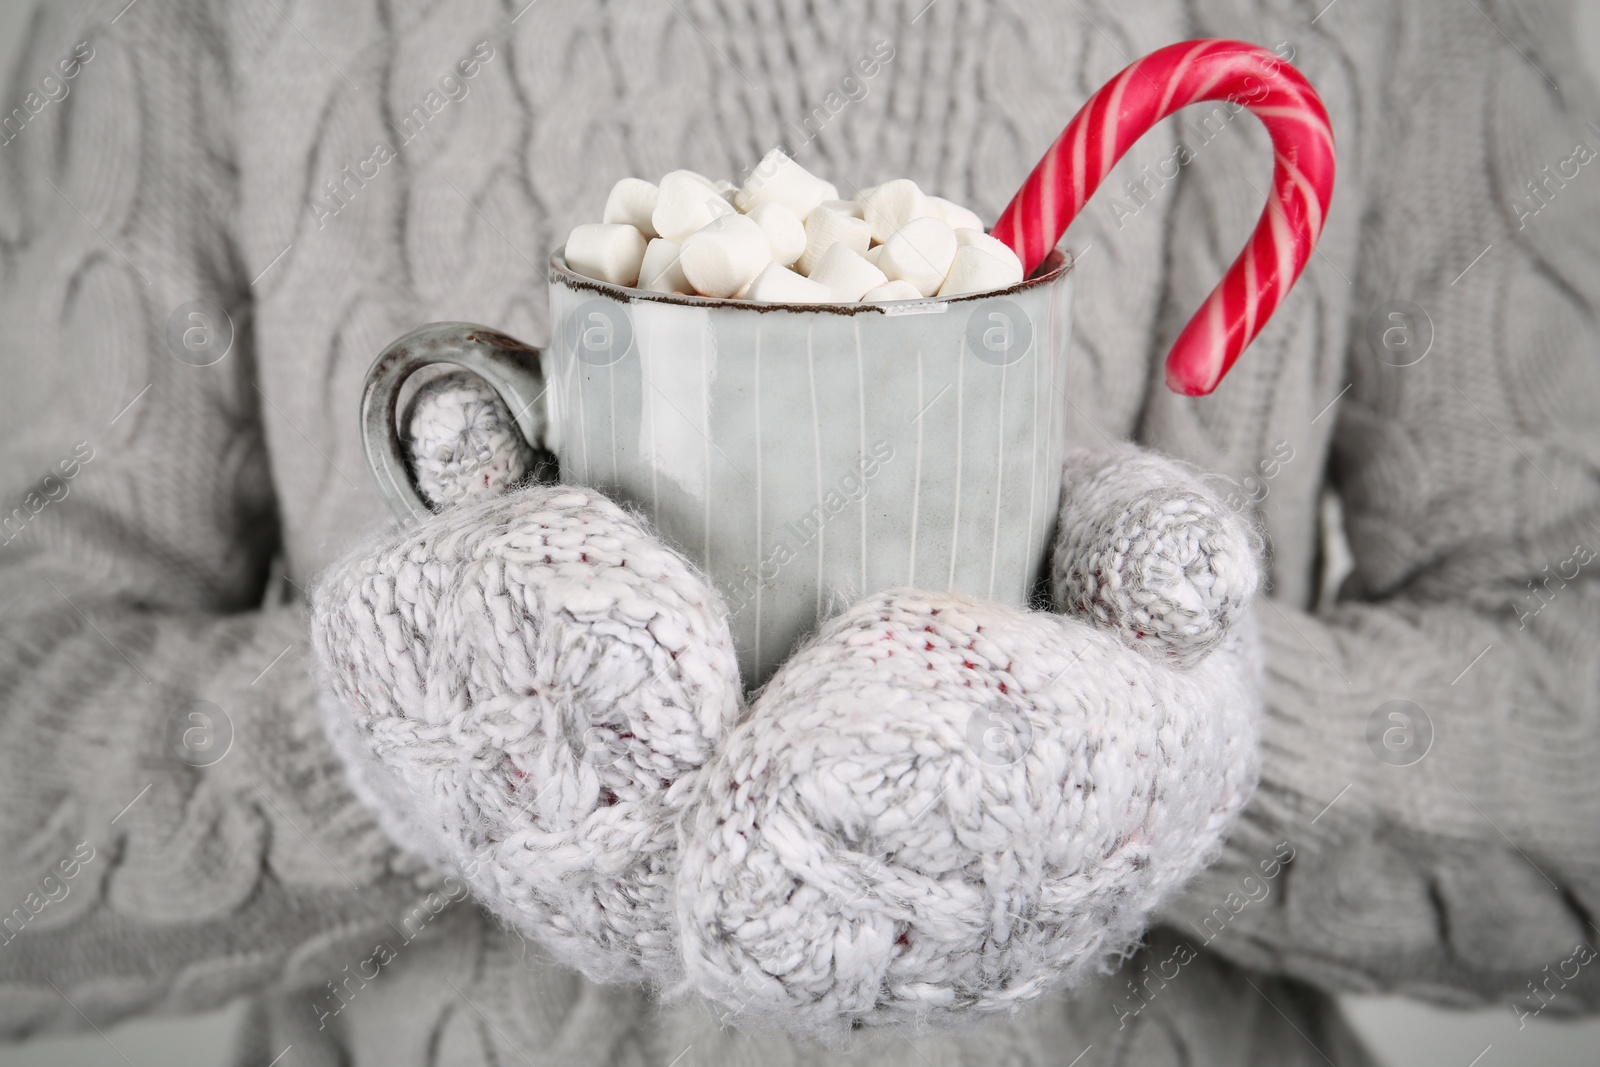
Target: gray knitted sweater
{"x": 164, "y": 508}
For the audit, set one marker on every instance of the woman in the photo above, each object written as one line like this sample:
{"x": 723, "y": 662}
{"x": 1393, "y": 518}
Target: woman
{"x": 311, "y": 181}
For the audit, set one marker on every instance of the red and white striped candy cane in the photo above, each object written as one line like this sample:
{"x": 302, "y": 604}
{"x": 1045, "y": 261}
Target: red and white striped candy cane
{"x": 1119, "y": 114}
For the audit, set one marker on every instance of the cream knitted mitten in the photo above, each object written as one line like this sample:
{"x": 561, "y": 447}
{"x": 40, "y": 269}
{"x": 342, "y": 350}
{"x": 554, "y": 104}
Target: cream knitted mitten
{"x": 524, "y": 689}
{"x": 462, "y": 442}
{"x": 938, "y": 807}
{"x": 942, "y": 806}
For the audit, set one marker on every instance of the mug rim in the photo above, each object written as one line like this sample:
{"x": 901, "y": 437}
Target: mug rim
{"x": 1056, "y": 265}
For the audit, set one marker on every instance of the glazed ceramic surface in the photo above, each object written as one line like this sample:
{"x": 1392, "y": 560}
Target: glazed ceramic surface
{"x": 806, "y": 455}
{"x": 803, "y": 455}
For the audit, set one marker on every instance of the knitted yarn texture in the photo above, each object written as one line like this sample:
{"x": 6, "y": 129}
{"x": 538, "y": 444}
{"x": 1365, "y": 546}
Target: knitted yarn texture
{"x": 943, "y": 807}
{"x": 938, "y": 808}
{"x": 1148, "y": 552}
{"x": 526, "y": 689}
{"x": 462, "y": 442}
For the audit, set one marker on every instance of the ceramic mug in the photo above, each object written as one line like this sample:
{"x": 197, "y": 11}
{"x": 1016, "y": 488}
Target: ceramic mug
{"x": 803, "y": 455}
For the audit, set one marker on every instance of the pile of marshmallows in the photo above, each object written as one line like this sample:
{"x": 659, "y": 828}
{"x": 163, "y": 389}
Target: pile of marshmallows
{"x": 786, "y": 237}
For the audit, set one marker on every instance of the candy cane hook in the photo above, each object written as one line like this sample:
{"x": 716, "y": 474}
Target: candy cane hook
{"x": 1146, "y": 92}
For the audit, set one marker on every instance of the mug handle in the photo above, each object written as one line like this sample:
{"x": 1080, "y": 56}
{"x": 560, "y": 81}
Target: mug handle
{"x": 511, "y": 368}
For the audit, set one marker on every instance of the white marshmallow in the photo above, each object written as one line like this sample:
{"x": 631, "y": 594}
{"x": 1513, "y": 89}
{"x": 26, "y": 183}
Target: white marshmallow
{"x": 687, "y": 201}
{"x": 975, "y": 270}
{"x": 871, "y": 255}
{"x": 846, "y": 274}
{"x": 954, "y": 215}
{"x": 724, "y": 256}
{"x": 895, "y": 290}
{"x": 966, "y": 236}
{"x": 892, "y": 205}
{"x": 607, "y": 252}
{"x": 777, "y": 179}
{"x": 844, "y": 207}
{"x": 781, "y": 285}
{"x": 921, "y": 253}
{"x": 826, "y": 227}
{"x": 726, "y": 189}
{"x": 662, "y": 272}
{"x": 785, "y": 233}
{"x": 632, "y": 202}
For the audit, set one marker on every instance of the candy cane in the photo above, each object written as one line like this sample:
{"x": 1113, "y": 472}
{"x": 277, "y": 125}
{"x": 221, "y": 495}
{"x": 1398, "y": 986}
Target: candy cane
{"x": 1119, "y": 114}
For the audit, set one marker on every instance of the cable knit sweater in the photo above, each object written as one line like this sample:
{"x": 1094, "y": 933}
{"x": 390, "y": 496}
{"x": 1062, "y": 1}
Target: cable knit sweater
{"x": 164, "y": 507}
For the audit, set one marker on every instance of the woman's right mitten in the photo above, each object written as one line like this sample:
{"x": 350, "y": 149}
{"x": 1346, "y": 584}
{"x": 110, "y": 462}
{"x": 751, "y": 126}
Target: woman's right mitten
{"x": 525, "y": 689}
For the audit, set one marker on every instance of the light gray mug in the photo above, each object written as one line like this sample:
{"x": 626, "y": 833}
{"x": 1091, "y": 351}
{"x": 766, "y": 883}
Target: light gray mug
{"x": 804, "y": 455}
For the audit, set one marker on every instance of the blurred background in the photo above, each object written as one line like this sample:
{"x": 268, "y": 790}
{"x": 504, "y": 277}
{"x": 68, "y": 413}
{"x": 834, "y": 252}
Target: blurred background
{"x": 1401, "y": 1032}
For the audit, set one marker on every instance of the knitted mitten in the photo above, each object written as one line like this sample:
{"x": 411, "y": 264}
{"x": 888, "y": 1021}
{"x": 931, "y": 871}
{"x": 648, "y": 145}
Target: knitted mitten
{"x": 526, "y": 688}
{"x": 942, "y": 806}
{"x": 462, "y": 442}
{"x": 1144, "y": 550}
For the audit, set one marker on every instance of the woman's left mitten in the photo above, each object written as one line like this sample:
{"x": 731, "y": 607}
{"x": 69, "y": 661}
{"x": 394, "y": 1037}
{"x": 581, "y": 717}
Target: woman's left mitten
{"x": 942, "y": 807}
{"x": 526, "y": 688}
